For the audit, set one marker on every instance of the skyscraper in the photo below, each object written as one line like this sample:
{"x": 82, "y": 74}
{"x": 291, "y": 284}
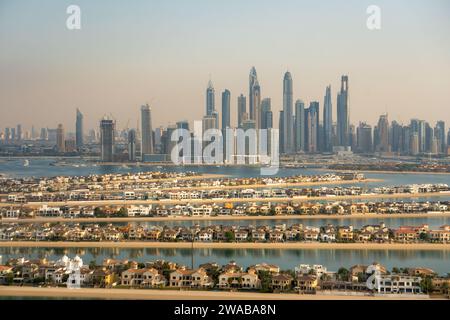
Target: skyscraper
{"x": 79, "y": 130}
{"x": 19, "y": 132}
{"x": 383, "y": 134}
{"x": 429, "y": 135}
{"x": 147, "y": 132}
{"x": 226, "y": 96}
{"x": 107, "y": 128}
{"x": 364, "y": 138}
{"x": 299, "y": 126}
{"x": 256, "y": 100}
{"x": 132, "y": 145}
{"x": 266, "y": 107}
{"x": 327, "y": 121}
{"x": 7, "y": 135}
{"x": 311, "y": 127}
{"x": 343, "y": 114}
{"x": 210, "y": 99}
{"x": 44, "y": 134}
{"x": 13, "y": 135}
{"x": 253, "y": 79}
{"x": 281, "y": 129}
{"x": 288, "y": 127}
{"x": 242, "y": 109}
{"x": 269, "y": 119}
{"x": 418, "y": 126}
{"x": 439, "y": 132}
{"x": 60, "y": 139}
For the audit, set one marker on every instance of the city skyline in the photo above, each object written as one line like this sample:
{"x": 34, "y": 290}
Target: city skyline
{"x": 402, "y": 69}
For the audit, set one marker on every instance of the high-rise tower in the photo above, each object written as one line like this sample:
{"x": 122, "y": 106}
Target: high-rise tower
{"x": 299, "y": 126}
{"x": 79, "y": 130}
{"x": 343, "y": 114}
{"x": 226, "y": 97}
{"x": 253, "y": 79}
{"x": 327, "y": 120}
{"x": 210, "y": 99}
{"x": 256, "y": 100}
{"x": 107, "y": 128}
{"x": 242, "y": 109}
{"x": 147, "y": 132}
{"x": 288, "y": 132}
{"x": 60, "y": 139}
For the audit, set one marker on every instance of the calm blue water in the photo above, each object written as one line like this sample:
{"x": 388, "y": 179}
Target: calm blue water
{"x": 433, "y": 222}
{"x": 41, "y": 168}
{"x": 286, "y": 259}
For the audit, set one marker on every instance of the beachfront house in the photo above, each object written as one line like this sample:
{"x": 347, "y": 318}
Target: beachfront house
{"x": 399, "y": 284}
{"x": 281, "y": 282}
{"x": 239, "y": 280}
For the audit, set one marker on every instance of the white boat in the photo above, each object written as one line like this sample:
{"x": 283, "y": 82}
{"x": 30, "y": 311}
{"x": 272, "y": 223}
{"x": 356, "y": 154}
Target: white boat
{"x": 26, "y": 163}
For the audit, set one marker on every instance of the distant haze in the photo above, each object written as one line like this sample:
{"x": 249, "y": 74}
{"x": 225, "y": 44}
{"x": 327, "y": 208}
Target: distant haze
{"x": 128, "y": 53}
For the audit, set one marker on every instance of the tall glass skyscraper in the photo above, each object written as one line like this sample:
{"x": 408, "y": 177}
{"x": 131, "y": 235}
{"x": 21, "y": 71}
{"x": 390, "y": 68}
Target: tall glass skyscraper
{"x": 253, "y": 80}
{"x": 107, "y": 128}
{"x": 132, "y": 145}
{"x": 299, "y": 126}
{"x": 226, "y": 97}
{"x": 265, "y": 108}
{"x": 439, "y": 132}
{"x": 288, "y": 127}
{"x": 146, "y": 127}
{"x": 79, "y": 130}
{"x": 327, "y": 120}
{"x": 60, "y": 139}
{"x": 210, "y": 99}
{"x": 242, "y": 109}
{"x": 343, "y": 114}
{"x": 256, "y": 100}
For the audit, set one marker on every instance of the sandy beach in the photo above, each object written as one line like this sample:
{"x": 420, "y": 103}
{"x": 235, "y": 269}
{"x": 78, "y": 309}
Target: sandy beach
{"x": 385, "y": 171}
{"x": 231, "y": 218}
{"x": 146, "y": 294}
{"x": 235, "y": 200}
{"x": 228, "y": 245}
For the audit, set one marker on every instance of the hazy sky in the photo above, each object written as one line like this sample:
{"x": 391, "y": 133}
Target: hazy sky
{"x": 163, "y": 52}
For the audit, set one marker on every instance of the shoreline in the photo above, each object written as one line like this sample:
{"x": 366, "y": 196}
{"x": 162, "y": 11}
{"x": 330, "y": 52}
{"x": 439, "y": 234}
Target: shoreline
{"x": 232, "y": 218}
{"x": 242, "y": 186}
{"x": 155, "y": 294}
{"x": 384, "y": 171}
{"x": 232, "y": 200}
{"x": 231, "y": 245}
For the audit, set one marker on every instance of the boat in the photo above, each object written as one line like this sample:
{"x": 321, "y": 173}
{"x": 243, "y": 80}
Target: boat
{"x": 26, "y": 163}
